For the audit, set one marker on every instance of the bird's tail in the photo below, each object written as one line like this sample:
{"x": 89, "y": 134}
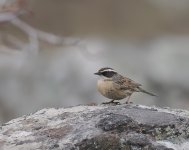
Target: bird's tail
{"x": 146, "y": 92}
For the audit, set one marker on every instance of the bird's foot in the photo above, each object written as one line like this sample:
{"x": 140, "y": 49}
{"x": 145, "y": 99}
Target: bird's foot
{"x": 112, "y": 102}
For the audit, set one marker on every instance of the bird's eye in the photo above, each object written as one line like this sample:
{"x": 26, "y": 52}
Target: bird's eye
{"x": 108, "y": 74}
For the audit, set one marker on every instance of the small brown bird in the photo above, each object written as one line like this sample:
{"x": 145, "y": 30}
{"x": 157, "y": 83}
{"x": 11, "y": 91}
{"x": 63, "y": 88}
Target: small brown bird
{"x": 116, "y": 87}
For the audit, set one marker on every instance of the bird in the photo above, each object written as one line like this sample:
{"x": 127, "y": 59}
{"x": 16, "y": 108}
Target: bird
{"x": 114, "y": 86}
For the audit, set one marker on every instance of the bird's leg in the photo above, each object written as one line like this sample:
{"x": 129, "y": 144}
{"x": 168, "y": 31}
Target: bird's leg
{"x": 128, "y": 99}
{"x": 111, "y": 102}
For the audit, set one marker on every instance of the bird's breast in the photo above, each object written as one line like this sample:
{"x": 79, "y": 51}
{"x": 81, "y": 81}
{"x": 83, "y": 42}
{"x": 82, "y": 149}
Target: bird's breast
{"x": 108, "y": 89}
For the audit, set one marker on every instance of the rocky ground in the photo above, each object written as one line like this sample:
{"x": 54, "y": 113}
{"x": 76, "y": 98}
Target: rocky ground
{"x": 103, "y": 127}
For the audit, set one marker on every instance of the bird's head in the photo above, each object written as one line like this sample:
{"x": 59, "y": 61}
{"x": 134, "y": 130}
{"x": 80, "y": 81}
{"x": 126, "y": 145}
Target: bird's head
{"x": 106, "y": 72}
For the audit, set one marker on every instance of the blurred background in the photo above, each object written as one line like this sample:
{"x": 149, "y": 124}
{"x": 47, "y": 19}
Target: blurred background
{"x": 49, "y": 50}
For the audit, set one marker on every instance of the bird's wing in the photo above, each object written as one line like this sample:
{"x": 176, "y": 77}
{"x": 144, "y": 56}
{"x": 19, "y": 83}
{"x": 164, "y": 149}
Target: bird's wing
{"x": 126, "y": 83}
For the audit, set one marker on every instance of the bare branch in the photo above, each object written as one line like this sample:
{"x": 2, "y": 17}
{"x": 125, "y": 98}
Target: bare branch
{"x": 7, "y": 16}
{"x": 33, "y": 39}
{"x": 10, "y": 13}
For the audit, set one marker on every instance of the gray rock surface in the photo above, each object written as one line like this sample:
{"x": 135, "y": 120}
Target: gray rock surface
{"x": 104, "y": 127}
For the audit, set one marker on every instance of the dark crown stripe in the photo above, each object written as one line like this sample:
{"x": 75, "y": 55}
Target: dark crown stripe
{"x": 107, "y": 69}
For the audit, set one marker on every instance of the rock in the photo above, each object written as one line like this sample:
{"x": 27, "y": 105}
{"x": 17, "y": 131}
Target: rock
{"x": 122, "y": 127}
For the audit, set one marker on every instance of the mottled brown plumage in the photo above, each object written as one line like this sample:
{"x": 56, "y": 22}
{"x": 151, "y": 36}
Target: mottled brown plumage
{"x": 116, "y": 87}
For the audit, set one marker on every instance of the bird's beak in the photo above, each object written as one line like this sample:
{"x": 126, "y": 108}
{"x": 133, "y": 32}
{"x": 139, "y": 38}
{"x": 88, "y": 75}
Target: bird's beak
{"x": 97, "y": 73}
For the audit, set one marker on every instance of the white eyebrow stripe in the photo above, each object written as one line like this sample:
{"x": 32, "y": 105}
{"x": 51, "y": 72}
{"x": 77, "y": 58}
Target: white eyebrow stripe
{"x": 108, "y": 70}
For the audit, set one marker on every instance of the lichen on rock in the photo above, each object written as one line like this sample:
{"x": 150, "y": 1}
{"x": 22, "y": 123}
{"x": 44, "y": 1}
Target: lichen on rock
{"x": 123, "y": 127}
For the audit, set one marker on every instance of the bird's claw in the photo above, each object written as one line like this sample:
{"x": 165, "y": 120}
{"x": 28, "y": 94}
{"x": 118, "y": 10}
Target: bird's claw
{"x": 112, "y": 102}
